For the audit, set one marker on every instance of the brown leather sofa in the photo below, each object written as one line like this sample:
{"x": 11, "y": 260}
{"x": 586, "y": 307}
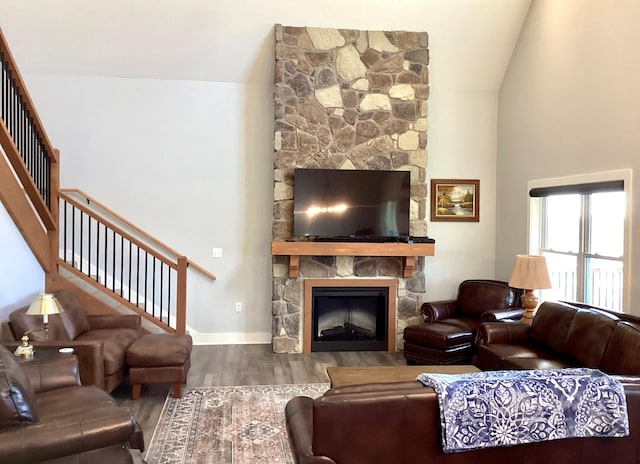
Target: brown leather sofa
{"x": 400, "y": 423}
{"x": 100, "y": 342}
{"x": 449, "y": 329}
{"x": 563, "y": 335}
{"x": 46, "y": 416}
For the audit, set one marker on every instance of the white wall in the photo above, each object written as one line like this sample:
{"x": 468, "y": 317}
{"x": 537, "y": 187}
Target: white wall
{"x": 182, "y": 161}
{"x": 21, "y": 277}
{"x": 462, "y": 145}
{"x": 568, "y": 106}
{"x": 191, "y": 161}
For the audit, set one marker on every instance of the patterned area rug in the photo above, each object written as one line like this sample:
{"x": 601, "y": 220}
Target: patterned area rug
{"x": 235, "y": 425}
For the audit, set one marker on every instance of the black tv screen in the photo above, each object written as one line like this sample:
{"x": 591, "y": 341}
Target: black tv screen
{"x": 351, "y": 203}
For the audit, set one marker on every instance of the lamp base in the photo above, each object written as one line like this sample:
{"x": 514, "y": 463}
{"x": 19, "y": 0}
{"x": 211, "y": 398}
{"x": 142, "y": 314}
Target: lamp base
{"x": 26, "y": 351}
{"x": 530, "y": 304}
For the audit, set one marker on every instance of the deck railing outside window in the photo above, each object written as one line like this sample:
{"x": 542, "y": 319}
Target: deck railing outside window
{"x": 604, "y": 284}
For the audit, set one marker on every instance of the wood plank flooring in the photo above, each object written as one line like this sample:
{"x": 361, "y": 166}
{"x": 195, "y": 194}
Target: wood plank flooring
{"x": 217, "y": 365}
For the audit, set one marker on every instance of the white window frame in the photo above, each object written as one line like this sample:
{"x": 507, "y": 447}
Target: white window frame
{"x": 533, "y": 216}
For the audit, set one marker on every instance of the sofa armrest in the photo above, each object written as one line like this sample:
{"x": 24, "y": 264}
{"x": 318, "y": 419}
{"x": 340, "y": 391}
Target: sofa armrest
{"x": 90, "y": 358}
{"x": 494, "y": 315}
{"x": 97, "y": 423}
{"x": 299, "y": 414}
{"x": 502, "y": 333}
{"x": 437, "y": 310}
{"x": 127, "y": 321}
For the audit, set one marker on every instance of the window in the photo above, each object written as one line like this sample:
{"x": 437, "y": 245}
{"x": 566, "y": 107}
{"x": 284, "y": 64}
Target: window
{"x": 580, "y": 229}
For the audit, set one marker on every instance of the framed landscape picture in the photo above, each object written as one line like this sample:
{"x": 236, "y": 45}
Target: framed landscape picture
{"x": 455, "y": 200}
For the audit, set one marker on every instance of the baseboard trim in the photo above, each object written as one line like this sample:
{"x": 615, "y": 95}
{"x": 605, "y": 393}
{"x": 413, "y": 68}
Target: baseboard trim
{"x": 231, "y": 338}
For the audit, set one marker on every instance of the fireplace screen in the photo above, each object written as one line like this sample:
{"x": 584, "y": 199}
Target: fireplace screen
{"x": 349, "y": 318}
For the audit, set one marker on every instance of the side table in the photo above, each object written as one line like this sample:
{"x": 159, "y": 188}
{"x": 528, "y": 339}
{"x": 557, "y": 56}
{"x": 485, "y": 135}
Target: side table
{"x": 47, "y": 363}
{"x": 40, "y": 355}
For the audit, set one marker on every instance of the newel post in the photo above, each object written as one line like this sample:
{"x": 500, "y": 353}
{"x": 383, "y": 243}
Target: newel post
{"x": 54, "y": 207}
{"x": 181, "y": 303}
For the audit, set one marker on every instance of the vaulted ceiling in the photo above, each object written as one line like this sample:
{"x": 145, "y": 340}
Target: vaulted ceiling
{"x": 232, "y": 40}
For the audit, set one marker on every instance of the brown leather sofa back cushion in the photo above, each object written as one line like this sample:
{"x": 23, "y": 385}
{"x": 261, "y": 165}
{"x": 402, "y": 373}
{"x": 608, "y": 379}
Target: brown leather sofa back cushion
{"x": 551, "y": 325}
{"x": 17, "y": 399}
{"x": 588, "y": 337}
{"x": 622, "y": 355}
{"x": 478, "y": 296}
{"x": 73, "y": 317}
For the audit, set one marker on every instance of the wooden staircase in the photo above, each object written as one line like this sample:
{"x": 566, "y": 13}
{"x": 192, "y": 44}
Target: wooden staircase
{"x": 81, "y": 244}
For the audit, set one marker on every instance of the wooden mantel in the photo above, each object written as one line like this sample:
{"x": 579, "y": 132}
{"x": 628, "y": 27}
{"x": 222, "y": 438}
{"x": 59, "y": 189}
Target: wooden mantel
{"x": 407, "y": 251}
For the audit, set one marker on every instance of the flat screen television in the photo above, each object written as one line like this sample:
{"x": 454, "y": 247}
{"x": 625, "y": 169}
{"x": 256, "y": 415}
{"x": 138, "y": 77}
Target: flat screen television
{"x": 337, "y": 203}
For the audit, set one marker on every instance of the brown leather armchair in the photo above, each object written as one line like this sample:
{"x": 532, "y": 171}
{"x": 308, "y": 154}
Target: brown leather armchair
{"x": 47, "y": 416}
{"x": 99, "y": 342}
{"x": 449, "y": 329}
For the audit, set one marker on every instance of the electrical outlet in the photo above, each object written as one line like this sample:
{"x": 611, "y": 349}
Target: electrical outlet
{"x": 217, "y": 253}
{"x": 238, "y": 306}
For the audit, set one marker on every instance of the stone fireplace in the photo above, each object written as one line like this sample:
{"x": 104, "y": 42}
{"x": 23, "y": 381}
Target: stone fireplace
{"x": 347, "y": 99}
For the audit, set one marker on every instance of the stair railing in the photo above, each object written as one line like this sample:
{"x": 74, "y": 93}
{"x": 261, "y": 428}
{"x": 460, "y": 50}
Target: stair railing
{"x": 115, "y": 255}
{"x": 23, "y": 138}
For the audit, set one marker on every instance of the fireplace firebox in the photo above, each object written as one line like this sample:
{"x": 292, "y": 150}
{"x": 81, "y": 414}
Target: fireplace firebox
{"x": 349, "y": 315}
{"x": 349, "y": 318}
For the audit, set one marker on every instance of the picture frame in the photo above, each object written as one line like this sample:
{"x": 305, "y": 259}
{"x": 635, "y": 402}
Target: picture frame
{"x": 455, "y": 200}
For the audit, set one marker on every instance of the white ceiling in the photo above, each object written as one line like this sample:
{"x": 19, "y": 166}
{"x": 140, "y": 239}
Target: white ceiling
{"x": 471, "y": 41}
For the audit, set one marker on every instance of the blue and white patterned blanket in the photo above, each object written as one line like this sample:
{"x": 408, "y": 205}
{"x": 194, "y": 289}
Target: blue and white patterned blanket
{"x": 504, "y": 408}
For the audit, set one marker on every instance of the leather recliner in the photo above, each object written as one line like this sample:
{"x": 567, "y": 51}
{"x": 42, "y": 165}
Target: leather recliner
{"x": 47, "y": 416}
{"x": 448, "y": 333}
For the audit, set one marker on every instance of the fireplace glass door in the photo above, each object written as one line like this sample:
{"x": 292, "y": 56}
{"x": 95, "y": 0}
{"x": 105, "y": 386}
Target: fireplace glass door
{"x": 349, "y": 318}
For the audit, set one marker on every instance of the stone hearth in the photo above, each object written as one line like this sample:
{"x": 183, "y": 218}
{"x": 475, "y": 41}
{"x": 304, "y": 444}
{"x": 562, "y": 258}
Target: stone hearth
{"x": 347, "y": 99}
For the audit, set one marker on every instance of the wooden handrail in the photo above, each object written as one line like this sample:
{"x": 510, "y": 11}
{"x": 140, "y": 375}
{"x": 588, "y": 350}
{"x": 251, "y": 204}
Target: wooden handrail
{"x": 138, "y": 230}
{"x": 23, "y": 174}
{"x": 4, "y": 49}
{"x": 11, "y": 147}
{"x": 179, "y": 266}
{"x": 119, "y": 230}
{"x": 19, "y": 208}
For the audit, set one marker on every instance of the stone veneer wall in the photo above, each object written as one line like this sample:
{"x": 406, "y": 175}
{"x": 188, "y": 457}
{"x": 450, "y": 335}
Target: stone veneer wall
{"x": 347, "y": 99}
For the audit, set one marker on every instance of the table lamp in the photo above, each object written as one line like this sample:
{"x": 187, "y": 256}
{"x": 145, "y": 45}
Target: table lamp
{"x": 529, "y": 273}
{"x": 43, "y": 305}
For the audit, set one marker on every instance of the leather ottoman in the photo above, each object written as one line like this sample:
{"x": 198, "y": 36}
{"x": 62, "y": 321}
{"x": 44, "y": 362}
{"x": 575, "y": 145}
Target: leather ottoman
{"x": 437, "y": 343}
{"x": 159, "y": 358}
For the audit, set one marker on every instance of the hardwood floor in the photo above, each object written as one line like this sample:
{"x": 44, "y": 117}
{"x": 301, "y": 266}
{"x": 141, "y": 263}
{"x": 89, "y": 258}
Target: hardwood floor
{"x": 216, "y": 365}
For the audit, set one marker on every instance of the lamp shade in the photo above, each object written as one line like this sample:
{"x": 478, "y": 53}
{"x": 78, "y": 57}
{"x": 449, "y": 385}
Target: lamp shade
{"x": 530, "y": 272}
{"x": 43, "y": 305}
